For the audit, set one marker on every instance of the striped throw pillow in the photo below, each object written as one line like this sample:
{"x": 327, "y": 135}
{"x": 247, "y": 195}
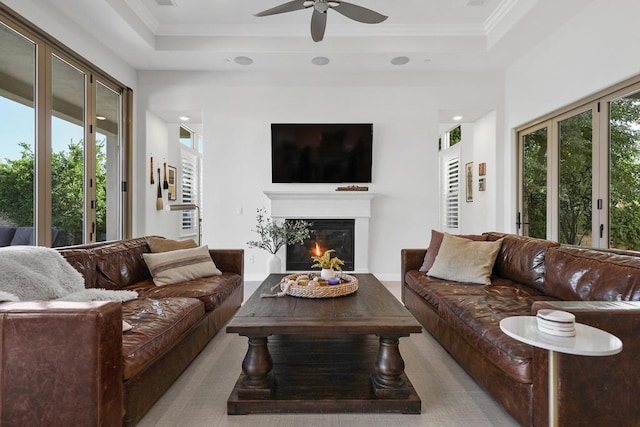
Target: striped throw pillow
{"x": 181, "y": 265}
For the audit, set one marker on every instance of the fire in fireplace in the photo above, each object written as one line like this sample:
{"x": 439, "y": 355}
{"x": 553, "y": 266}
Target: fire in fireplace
{"x": 337, "y": 234}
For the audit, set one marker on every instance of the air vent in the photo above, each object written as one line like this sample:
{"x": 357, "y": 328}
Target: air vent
{"x": 166, "y": 2}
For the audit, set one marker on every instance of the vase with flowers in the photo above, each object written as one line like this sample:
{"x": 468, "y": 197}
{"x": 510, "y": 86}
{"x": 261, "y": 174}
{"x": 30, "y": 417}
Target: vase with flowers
{"x": 327, "y": 264}
{"x": 274, "y": 235}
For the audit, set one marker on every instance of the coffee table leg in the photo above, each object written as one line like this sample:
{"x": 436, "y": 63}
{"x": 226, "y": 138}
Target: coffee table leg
{"x": 257, "y": 363}
{"x": 389, "y": 367}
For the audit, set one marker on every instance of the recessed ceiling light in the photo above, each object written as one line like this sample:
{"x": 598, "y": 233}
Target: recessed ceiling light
{"x": 474, "y": 3}
{"x": 320, "y": 60}
{"x": 185, "y": 118}
{"x": 101, "y": 118}
{"x": 457, "y": 118}
{"x": 400, "y": 60}
{"x": 243, "y": 60}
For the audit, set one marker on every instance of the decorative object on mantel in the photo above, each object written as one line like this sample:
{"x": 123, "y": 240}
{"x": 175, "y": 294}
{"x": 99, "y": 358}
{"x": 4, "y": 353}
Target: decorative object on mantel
{"x": 353, "y": 188}
{"x": 274, "y": 236}
{"x": 308, "y": 285}
{"x": 159, "y": 201}
{"x": 326, "y": 263}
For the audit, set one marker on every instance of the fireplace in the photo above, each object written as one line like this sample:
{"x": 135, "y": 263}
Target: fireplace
{"x": 355, "y": 205}
{"x": 337, "y": 234}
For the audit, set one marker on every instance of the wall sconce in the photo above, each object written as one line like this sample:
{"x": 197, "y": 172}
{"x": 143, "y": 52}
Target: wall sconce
{"x": 189, "y": 207}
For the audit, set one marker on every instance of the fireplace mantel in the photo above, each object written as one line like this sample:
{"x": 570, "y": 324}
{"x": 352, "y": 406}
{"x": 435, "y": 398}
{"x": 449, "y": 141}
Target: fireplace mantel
{"x": 329, "y": 204}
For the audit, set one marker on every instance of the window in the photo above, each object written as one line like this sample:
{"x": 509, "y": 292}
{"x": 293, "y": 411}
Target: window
{"x": 451, "y": 191}
{"x": 64, "y": 150}
{"x": 580, "y": 172}
{"x": 450, "y": 138}
{"x": 189, "y": 188}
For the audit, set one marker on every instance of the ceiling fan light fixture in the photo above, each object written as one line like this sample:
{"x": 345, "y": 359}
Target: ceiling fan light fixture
{"x": 400, "y": 60}
{"x": 320, "y": 60}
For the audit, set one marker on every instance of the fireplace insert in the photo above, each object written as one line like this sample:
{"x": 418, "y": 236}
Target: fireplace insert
{"x": 337, "y": 234}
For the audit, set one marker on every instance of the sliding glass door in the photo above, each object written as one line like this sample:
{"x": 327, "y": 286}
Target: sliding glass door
{"x": 533, "y": 218}
{"x": 580, "y": 174}
{"x": 62, "y": 149}
{"x": 624, "y": 173}
{"x": 575, "y": 183}
{"x": 17, "y": 136}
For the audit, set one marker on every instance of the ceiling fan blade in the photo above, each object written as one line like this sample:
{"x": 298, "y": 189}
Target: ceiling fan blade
{"x": 318, "y": 25}
{"x": 286, "y": 7}
{"x": 358, "y": 13}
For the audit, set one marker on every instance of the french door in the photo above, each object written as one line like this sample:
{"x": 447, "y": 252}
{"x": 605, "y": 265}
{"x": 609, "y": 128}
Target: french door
{"x": 579, "y": 174}
{"x": 62, "y": 154}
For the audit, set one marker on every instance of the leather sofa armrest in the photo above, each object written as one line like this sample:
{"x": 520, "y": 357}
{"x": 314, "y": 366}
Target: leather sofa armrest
{"x": 607, "y": 386}
{"x": 61, "y": 363}
{"x": 229, "y": 260}
{"x": 410, "y": 259}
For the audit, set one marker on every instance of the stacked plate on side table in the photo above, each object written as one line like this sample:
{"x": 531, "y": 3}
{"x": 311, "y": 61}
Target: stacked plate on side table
{"x": 556, "y": 322}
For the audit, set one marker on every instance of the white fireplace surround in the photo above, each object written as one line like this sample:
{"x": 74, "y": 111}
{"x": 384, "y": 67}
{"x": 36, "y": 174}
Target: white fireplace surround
{"x": 330, "y": 205}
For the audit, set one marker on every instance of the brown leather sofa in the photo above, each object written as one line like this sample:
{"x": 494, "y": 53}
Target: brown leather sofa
{"x": 599, "y": 287}
{"x": 66, "y": 363}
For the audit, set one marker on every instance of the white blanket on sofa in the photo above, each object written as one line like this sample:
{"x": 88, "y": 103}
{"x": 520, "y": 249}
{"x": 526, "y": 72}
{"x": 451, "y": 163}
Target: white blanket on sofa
{"x": 35, "y": 273}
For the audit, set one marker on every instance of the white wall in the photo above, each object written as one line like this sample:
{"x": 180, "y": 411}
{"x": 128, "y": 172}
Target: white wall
{"x": 594, "y": 50}
{"x": 237, "y": 169}
{"x": 479, "y": 146}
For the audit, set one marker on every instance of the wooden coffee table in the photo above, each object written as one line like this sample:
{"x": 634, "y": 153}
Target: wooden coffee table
{"x": 324, "y": 355}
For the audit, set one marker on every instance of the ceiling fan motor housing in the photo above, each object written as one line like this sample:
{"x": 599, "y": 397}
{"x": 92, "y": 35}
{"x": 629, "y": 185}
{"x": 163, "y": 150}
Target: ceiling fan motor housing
{"x": 321, "y": 6}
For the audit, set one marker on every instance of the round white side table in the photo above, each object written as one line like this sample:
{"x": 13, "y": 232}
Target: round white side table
{"x": 589, "y": 341}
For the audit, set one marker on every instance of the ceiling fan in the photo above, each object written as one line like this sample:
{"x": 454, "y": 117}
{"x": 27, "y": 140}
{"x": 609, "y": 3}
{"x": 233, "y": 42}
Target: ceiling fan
{"x": 320, "y": 8}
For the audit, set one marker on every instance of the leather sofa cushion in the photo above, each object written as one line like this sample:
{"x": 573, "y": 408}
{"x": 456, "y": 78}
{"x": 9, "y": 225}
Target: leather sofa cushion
{"x": 120, "y": 264}
{"x": 156, "y": 326}
{"x": 477, "y": 319}
{"x": 575, "y": 274}
{"x": 212, "y": 291}
{"x": 522, "y": 259}
{"x": 83, "y": 261}
{"x": 433, "y": 289}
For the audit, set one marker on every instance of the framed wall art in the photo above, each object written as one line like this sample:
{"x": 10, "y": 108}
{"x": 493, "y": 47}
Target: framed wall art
{"x": 172, "y": 177}
{"x": 469, "y": 179}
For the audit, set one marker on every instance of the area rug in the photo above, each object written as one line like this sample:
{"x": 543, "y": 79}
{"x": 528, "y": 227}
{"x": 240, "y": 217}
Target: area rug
{"x": 449, "y": 396}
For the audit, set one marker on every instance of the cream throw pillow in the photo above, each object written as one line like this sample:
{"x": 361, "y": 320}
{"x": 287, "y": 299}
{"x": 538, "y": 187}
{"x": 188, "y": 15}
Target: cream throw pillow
{"x": 180, "y": 265}
{"x": 464, "y": 260}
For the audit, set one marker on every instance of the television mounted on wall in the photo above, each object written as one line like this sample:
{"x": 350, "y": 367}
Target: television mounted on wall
{"x": 321, "y": 153}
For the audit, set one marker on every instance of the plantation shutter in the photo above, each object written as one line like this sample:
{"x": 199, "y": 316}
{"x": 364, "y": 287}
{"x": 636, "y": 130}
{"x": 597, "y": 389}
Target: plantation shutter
{"x": 452, "y": 192}
{"x": 189, "y": 188}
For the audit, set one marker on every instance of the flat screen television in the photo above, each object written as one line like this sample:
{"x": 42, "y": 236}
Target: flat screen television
{"x": 321, "y": 153}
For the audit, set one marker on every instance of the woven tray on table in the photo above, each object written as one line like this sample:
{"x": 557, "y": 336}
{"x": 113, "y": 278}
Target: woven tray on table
{"x": 348, "y": 285}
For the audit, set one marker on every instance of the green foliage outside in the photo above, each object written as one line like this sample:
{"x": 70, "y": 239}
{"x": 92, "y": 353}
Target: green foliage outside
{"x": 67, "y": 177}
{"x": 575, "y": 186}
